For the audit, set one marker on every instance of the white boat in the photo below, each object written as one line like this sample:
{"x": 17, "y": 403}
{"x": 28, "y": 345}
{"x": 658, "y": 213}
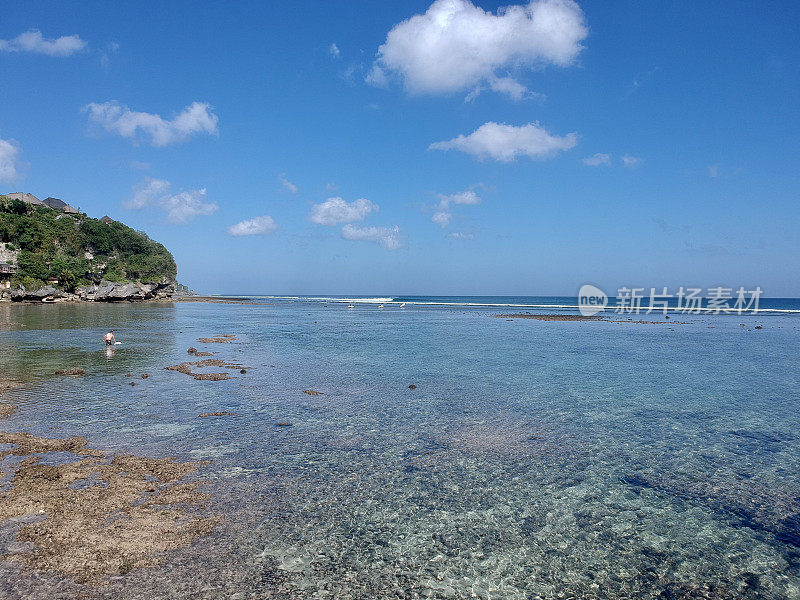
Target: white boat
{"x": 350, "y": 306}
{"x": 380, "y": 306}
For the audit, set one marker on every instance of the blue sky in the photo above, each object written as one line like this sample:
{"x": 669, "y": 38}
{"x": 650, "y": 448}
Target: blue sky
{"x": 687, "y": 114}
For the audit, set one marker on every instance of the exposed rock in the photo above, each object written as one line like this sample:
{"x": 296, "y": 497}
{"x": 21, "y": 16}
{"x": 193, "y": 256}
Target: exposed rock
{"x": 197, "y": 352}
{"x": 71, "y": 371}
{"x": 26, "y": 444}
{"x": 106, "y": 291}
{"x": 125, "y": 292}
{"x": 101, "y": 517}
{"x": 145, "y": 375}
{"x": 222, "y": 338}
{"x": 45, "y": 292}
{"x": 283, "y": 424}
{"x": 313, "y": 393}
{"x": 6, "y": 410}
{"x": 186, "y": 369}
{"x": 412, "y": 387}
{"x": 216, "y": 414}
{"x": 211, "y": 376}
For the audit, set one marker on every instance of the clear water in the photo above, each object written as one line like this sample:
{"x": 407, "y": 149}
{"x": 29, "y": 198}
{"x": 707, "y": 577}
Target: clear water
{"x": 533, "y": 460}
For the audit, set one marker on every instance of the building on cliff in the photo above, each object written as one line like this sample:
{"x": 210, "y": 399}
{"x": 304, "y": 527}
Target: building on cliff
{"x": 49, "y": 202}
{"x": 59, "y": 204}
{"x": 6, "y": 272}
{"x": 27, "y": 198}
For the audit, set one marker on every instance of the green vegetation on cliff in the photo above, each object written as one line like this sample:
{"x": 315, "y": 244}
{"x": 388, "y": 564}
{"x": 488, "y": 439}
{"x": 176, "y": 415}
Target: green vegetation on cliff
{"x": 78, "y": 250}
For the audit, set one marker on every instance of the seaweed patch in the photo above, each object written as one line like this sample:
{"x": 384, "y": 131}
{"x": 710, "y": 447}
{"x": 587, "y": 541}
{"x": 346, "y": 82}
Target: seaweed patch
{"x": 98, "y": 516}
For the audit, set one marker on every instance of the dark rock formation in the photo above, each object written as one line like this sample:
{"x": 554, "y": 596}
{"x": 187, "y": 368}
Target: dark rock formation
{"x": 104, "y": 292}
{"x": 71, "y": 371}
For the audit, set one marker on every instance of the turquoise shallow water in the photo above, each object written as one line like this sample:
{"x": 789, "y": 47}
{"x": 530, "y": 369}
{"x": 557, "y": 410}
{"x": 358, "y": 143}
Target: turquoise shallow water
{"x": 534, "y": 459}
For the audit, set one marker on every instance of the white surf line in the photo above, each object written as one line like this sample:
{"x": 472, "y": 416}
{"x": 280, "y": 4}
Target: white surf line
{"x": 607, "y": 310}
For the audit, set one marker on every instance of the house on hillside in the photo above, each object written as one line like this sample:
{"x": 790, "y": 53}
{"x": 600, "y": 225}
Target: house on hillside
{"x": 60, "y": 205}
{"x": 6, "y": 272}
{"x": 107, "y": 220}
{"x": 27, "y": 198}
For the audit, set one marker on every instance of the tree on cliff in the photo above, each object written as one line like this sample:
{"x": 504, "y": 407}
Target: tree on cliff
{"x": 76, "y": 249}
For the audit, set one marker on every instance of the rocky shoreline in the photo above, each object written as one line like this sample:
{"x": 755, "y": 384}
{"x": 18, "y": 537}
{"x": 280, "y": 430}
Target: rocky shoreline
{"x": 103, "y": 292}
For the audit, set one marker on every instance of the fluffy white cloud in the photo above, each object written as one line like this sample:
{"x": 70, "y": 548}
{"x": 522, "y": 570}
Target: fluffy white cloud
{"x": 597, "y": 159}
{"x": 631, "y": 161}
{"x": 465, "y": 197}
{"x": 506, "y": 142}
{"x": 334, "y": 50}
{"x": 443, "y": 215}
{"x": 146, "y": 193}
{"x": 186, "y": 205}
{"x": 180, "y": 208}
{"x": 33, "y": 41}
{"x": 457, "y": 235}
{"x": 335, "y": 210}
{"x": 9, "y": 161}
{"x": 116, "y": 118}
{"x": 287, "y": 185}
{"x": 457, "y": 46}
{"x": 255, "y": 226}
{"x": 388, "y": 237}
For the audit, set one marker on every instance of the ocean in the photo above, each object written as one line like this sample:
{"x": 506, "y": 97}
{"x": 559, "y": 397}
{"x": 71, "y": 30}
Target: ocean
{"x": 631, "y": 457}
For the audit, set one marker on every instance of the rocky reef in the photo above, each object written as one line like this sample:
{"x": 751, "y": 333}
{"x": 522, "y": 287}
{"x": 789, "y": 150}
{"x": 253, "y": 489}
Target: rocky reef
{"x": 103, "y": 292}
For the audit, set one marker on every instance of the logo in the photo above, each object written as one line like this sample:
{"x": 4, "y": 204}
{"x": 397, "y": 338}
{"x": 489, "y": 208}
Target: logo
{"x": 591, "y": 300}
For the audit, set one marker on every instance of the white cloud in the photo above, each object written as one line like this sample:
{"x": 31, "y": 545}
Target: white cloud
{"x": 139, "y": 165}
{"x": 377, "y": 77}
{"x": 116, "y": 118}
{"x": 713, "y": 171}
{"x": 330, "y": 186}
{"x": 335, "y": 210}
{"x": 255, "y": 226}
{"x": 180, "y": 208}
{"x": 509, "y": 86}
{"x": 443, "y": 215}
{"x": 388, "y": 237}
{"x": 461, "y": 236}
{"x": 33, "y": 41}
{"x": 9, "y": 161}
{"x": 465, "y": 197}
{"x": 506, "y": 142}
{"x": 185, "y": 206}
{"x": 456, "y": 46}
{"x": 146, "y": 192}
{"x": 597, "y": 159}
{"x": 287, "y": 185}
{"x": 334, "y": 50}
{"x": 105, "y": 57}
{"x": 631, "y": 161}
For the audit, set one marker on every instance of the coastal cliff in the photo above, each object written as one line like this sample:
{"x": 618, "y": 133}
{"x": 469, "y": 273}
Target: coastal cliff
{"x": 53, "y": 254}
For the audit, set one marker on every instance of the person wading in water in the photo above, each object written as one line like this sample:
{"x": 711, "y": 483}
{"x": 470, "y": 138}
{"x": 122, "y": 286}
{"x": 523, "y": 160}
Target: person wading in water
{"x": 109, "y": 338}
